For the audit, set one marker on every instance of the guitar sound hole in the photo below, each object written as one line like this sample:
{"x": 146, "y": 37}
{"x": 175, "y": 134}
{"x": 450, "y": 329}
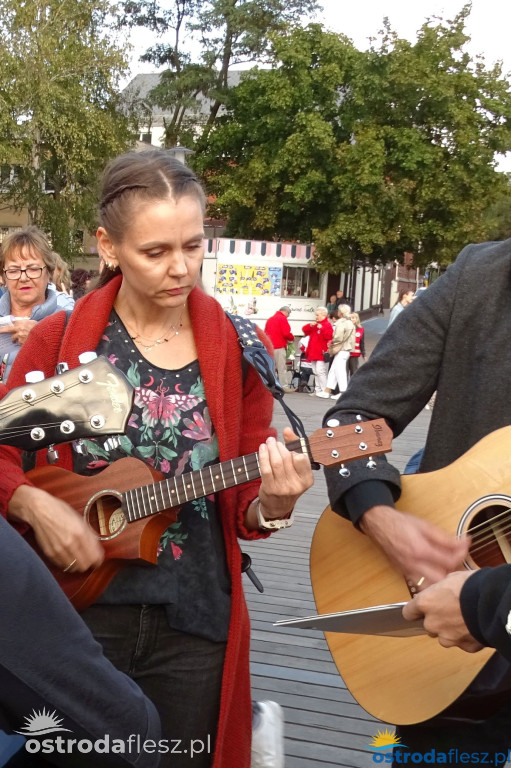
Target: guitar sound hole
{"x": 490, "y": 530}
{"x": 105, "y": 516}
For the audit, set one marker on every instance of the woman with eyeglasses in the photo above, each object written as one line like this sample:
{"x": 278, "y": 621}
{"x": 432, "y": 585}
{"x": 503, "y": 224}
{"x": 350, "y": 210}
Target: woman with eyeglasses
{"x": 27, "y": 264}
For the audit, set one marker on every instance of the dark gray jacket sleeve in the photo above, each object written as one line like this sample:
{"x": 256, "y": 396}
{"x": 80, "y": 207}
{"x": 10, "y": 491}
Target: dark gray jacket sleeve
{"x": 48, "y": 658}
{"x": 486, "y": 607}
{"x": 395, "y": 384}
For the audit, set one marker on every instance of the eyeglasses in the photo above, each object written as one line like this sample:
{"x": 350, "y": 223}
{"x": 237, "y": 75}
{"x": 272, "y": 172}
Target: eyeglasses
{"x": 31, "y": 272}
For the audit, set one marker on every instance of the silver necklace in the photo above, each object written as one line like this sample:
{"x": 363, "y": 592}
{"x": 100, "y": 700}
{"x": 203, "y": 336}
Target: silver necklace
{"x": 162, "y": 339}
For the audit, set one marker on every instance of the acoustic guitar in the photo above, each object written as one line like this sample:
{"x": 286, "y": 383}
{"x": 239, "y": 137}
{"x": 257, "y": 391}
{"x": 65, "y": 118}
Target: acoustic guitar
{"x": 408, "y": 680}
{"x": 129, "y": 504}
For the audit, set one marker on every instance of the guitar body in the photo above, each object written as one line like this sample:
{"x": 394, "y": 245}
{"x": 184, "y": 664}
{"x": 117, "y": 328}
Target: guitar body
{"x": 136, "y": 542}
{"x": 409, "y": 680}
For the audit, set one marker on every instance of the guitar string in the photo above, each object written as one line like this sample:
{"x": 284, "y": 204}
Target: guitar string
{"x": 496, "y": 517}
{"x": 490, "y": 539}
{"x": 11, "y": 408}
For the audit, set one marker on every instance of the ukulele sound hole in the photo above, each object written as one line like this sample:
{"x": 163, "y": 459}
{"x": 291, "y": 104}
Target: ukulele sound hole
{"x": 105, "y": 516}
{"x": 490, "y": 529}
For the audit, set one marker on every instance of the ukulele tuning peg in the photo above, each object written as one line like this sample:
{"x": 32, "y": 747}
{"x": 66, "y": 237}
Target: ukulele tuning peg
{"x": 371, "y": 464}
{"x": 344, "y": 471}
{"x": 52, "y": 454}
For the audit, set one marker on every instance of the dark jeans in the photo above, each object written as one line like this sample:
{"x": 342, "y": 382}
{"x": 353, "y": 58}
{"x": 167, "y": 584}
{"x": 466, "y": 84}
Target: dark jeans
{"x": 180, "y": 673}
{"x": 353, "y": 363}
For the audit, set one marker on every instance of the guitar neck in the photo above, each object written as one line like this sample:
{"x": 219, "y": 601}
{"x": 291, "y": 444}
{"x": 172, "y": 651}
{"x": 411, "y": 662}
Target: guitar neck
{"x": 172, "y": 492}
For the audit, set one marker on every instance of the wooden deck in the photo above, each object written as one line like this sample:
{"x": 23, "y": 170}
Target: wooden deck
{"x": 324, "y": 725}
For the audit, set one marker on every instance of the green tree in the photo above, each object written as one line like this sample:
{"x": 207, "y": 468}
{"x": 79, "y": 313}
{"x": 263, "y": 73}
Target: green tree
{"x": 228, "y": 32}
{"x": 60, "y": 114}
{"x": 368, "y": 154}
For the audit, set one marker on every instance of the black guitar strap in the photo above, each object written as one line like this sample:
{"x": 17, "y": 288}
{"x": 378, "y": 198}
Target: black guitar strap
{"x": 255, "y": 354}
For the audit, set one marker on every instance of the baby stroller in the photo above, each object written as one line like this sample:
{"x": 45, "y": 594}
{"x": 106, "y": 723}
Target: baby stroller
{"x": 302, "y": 372}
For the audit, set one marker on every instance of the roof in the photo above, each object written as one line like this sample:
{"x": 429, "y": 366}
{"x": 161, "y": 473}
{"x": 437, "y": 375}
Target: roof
{"x": 141, "y": 85}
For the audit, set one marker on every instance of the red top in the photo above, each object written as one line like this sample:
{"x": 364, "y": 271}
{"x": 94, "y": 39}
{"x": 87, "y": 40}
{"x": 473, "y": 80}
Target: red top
{"x": 358, "y": 349}
{"x": 319, "y": 336}
{"x": 241, "y": 413}
{"x": 278, "y": 330}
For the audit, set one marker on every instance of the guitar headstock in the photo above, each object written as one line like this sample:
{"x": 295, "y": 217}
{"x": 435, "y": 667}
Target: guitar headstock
{"x": 335, "y": 445}
{"x": 91, "y": 400}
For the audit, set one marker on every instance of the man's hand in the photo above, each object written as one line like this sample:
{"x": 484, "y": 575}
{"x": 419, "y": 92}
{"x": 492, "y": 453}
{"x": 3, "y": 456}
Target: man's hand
{"x": 440, "y": 607}
{"x": 19, "y": 330}
{"x": 423, "y": 553}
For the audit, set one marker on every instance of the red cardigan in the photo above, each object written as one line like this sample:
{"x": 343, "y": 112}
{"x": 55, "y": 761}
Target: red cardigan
{"x": 241, "y": 413}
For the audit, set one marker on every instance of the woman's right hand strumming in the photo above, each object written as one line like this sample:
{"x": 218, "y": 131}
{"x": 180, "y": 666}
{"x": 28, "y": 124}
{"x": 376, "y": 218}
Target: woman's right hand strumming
{"x": 63, "y": 536}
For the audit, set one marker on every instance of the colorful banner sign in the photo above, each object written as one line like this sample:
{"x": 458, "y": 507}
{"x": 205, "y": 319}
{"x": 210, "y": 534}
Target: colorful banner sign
{"x": 249, "y": 280}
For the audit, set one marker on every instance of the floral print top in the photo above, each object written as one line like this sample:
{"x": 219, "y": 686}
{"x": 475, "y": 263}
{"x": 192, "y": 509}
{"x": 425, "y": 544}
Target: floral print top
{"x": 171, "y": 430}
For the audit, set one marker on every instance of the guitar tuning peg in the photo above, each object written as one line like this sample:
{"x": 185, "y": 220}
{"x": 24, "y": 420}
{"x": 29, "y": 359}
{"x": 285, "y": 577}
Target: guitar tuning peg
{"x": 52, "y": 454}
{"x": 61, "y": 368}
{"x": 371, "y": 464}
{"x": 87, "y": 357}
{"x": 32, "y": 377}
{"x": 344, "y": 471}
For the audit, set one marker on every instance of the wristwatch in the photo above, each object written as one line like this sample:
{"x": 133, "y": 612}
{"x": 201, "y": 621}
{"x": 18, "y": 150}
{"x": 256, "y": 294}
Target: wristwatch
{"x": 272, "y": 525}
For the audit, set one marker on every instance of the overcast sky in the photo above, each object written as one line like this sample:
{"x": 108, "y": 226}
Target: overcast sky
{"x": 489, "y": 23}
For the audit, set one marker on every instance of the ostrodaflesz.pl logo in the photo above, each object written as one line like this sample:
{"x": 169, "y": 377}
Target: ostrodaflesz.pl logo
{"x": 41, "y": 724}
{"x": 387, "y": 748}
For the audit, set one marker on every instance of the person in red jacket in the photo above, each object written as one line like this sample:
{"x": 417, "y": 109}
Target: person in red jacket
{"x": 359, "y": 350}
{"x": 320, "y": 333}
{"x": 179, "y": 628}
{"x": 278, "y": 330}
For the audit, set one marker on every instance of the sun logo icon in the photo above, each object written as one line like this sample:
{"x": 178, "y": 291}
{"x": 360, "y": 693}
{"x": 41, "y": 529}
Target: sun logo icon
{"x": 40, "y": 723}
{"x": 384, "y": 740}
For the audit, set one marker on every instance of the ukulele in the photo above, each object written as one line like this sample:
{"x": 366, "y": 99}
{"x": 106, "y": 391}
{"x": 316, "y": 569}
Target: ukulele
{"x": 129, "y": 504}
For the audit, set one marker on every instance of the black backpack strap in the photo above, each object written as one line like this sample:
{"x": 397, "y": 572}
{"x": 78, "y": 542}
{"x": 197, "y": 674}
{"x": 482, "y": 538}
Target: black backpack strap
{"x": 255, "y": 354}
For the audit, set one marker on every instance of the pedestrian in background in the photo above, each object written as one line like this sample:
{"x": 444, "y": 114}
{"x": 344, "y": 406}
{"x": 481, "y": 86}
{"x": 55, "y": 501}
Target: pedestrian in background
{"x": 332, "y": 305}
{"x": 27, "y": 263}
{"x": 404, "y": 298}
{"x": 358, "y": 350}
{"x": 278, "y": 330}
{"x": 62, "y": 283}
{"x": 340, "y": 347}
{"x": 79, "y": 278}
{"x": 320, "y": 334}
